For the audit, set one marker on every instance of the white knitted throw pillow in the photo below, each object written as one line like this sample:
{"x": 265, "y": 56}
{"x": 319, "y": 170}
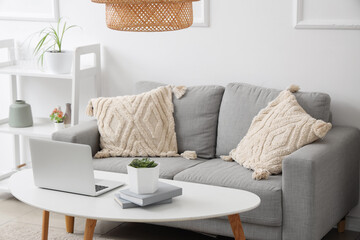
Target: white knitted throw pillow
{"x": 136, "y": 126}
{"x": 278, "y": 130}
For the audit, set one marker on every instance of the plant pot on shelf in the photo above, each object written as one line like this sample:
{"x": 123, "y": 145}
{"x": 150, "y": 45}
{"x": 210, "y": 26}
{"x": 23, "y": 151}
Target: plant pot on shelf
{"x": 143, "y": 180}
{"x": 59, "y": 126}
{"x": 58, "y": 62}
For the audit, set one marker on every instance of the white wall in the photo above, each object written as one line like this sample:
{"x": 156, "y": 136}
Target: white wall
{"x": 249, "y": 41}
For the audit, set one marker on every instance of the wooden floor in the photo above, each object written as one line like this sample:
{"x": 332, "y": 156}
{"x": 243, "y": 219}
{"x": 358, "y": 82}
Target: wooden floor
{"x": 13, "y": 212}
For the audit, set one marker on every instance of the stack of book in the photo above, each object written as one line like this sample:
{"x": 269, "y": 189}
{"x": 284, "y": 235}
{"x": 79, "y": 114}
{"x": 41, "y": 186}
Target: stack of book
{"x": 164, "y": 194}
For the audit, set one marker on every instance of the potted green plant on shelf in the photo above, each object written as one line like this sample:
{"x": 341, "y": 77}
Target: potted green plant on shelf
{"x": 57, "y": 117}
{"x": 143, "y": 176}
{"x": 49, "y": 49}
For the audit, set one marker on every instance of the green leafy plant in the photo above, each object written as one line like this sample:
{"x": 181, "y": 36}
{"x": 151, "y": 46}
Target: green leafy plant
{"x": 143, "y": 163}
{"x": 57, "y": 116}
{"x": 51, "y": 39}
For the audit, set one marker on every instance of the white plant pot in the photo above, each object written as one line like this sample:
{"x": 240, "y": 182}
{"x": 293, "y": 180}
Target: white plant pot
{"x": 59, "y": 126}
{"x": 143, "y": 180}
{"x": 58, "y": 62}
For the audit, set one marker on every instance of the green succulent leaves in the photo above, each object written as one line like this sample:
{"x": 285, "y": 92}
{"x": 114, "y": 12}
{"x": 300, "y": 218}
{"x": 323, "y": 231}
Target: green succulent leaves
{"x": 143, "y": 163}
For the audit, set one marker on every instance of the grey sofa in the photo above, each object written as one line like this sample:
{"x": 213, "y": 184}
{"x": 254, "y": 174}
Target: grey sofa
{"x": 319, "y": 184}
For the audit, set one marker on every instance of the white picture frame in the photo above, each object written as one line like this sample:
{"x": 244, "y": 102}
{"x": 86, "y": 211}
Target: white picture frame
{"x": 52, "y": 15}
{"x": 301, "y": 23}
{"x": 201, "y": 13}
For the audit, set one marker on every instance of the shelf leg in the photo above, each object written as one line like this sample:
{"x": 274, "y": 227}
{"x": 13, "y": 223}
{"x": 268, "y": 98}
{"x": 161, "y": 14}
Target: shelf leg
{"x": 25, "y": 150}
{"x": 13, "y": 97}
{"x": 75, "y": 102}
{"x": 16, "y": 151}
{"x": 13, "y": 88}
{"x": 98, "y": 84}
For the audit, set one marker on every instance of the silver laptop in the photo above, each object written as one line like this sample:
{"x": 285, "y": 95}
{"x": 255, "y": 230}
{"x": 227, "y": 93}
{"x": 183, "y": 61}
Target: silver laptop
{"x": 66, "y": 167}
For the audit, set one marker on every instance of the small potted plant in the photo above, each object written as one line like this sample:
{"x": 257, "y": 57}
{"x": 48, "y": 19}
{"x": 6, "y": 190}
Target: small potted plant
{"x": 57, "y": 116}
{"x": 143, "y": 176}
{"x": 49, "y": 48}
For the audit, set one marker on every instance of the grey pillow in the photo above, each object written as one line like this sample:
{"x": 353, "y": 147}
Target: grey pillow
{"x": 196, "y": 117}
{"x": 242, "y": 102}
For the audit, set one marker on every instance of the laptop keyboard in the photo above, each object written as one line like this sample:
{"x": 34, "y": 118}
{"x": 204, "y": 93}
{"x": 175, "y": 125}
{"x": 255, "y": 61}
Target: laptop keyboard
{"x": 99, "y": 187}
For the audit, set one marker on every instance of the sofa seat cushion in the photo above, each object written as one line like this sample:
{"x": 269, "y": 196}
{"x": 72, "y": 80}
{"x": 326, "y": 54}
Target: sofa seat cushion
{"x": 169, "y": 167}
{"x": 242, "y": 102}
{"x": 231, "y": 174}
{"x": 196, "y": 117}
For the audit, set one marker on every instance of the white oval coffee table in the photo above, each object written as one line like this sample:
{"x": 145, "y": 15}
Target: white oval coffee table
{"x": 198, "y": 201}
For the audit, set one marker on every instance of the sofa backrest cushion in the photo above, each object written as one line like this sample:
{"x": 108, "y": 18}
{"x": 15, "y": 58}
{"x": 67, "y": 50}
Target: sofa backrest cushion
{"x": 196, "y": 117}
{"x": 140, "y": 125}
{"x": 242, "y": 102}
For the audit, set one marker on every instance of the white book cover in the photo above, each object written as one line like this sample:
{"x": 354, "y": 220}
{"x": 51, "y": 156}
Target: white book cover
{"x": 165, "y": 191}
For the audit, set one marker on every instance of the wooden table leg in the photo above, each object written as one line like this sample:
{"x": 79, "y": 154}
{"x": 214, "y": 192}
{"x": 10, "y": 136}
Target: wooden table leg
{"x": 69, "y": 224}
{"x": 341, "y": 225}
{"x": 45, "y": 225}
{"x": 89, "y": 229}
{"x": 236, "y": 227}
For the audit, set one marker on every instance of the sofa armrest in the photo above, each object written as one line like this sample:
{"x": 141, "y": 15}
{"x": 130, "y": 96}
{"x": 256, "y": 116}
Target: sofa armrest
{"x": 320, "y": 184}
{"x": 84, "y": 133}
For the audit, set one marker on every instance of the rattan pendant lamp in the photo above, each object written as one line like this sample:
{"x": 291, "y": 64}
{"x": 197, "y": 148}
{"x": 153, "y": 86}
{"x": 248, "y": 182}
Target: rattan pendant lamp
{"x": 148, "y": 15}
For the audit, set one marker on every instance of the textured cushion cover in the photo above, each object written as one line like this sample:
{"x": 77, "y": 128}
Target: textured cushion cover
{"x": 242, "y": 102}
{"x": 196, "y": 117}
{"x": 278, "y": 130}
{"x": 136, "y": 125}
{"x": 169, "y": 167}
{"x": 231, "y": 174}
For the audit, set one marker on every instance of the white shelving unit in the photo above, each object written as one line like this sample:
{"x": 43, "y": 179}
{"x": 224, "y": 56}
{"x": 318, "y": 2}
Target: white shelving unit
{"x": 43, "y": 128}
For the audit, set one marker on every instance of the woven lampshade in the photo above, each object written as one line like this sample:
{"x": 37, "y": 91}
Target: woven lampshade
{"x": 148, "y": 15}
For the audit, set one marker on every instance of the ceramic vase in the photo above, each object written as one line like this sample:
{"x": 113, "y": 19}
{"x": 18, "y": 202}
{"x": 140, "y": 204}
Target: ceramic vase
{"x": 143, "y": 180}
{"x": 67, "y": 120}
{"x": 58, "y": 62}
{"x": 20, "y": 115}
